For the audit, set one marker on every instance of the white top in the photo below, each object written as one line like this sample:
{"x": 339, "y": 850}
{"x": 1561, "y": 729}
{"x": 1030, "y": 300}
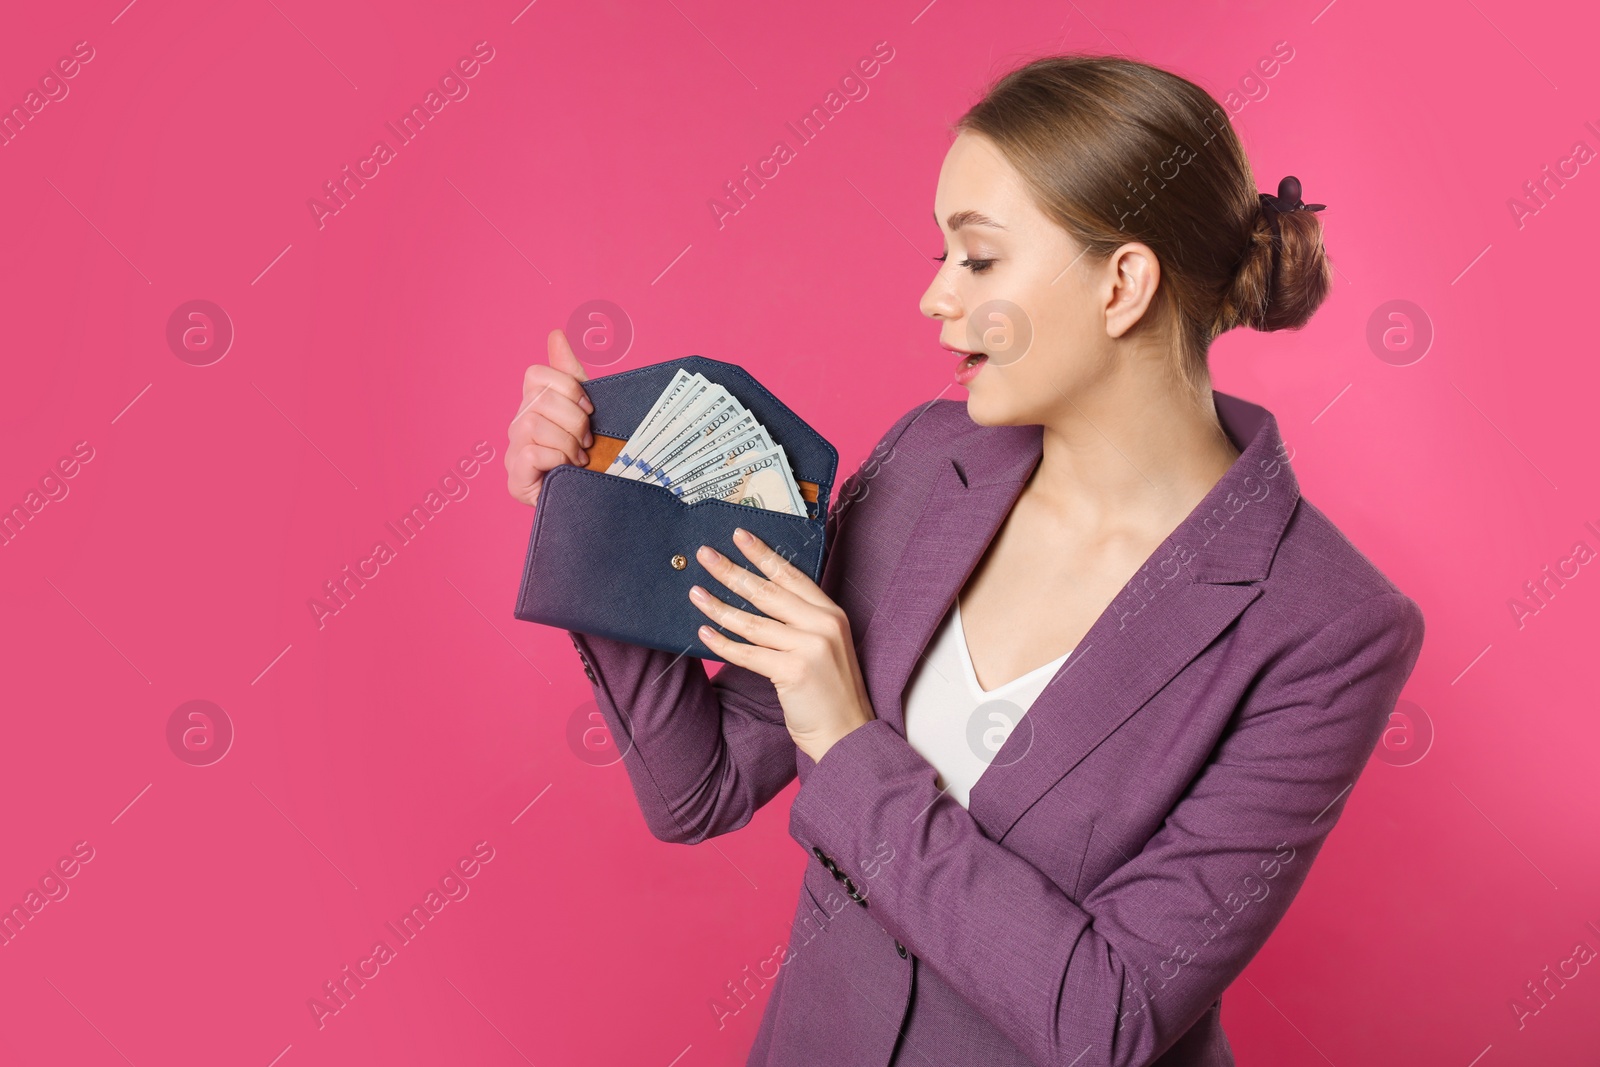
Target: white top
{"x": 954, "y": 723}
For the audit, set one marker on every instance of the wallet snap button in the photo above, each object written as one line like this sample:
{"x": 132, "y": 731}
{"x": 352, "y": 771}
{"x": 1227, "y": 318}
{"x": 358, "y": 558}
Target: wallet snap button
{"x": 679, "y": 562}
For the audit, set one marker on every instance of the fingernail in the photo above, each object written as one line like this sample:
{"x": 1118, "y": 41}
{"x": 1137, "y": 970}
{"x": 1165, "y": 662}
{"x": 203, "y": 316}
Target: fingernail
{"x": 587, "y": 404}
{"x": 740, "y": 534}
{"x": 583, "y": 458}
{"x": 588, "y": 439}
{"x": 707, "y": 552}
{"x": 696, "y": 593}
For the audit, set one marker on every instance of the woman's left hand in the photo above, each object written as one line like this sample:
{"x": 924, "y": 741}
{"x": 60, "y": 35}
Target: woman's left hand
{"x": 803, "y": 646}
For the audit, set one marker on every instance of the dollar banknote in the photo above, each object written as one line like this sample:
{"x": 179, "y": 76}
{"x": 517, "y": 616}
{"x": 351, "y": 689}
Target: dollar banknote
{"x": 700, "y": 442}
{"x": 687, "y": 429}
{"x": 671, "y": 397}
{"x": 757, "y": 481}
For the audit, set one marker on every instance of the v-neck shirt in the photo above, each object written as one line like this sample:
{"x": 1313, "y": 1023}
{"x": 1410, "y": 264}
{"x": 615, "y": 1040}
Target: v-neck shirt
{"x": 951, "y": 720}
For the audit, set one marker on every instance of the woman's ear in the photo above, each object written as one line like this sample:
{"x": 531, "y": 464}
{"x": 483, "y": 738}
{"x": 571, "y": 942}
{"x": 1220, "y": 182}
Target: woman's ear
{"x": 1134, "y": 273}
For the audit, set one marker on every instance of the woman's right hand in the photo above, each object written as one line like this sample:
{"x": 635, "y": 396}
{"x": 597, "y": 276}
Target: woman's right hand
{"x": 552, "y": 425}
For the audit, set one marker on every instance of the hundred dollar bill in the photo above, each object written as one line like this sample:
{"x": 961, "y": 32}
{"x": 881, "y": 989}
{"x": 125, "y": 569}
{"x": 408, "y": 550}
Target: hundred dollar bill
{"x": 759, "y": 481}
{"x": 673, "y": 395}
{"x": 683, "y": 411}
{"x": 712, "y": 452}
{"x": 711, "y": 465}
{"x": 713, "y": 443}
{"x": 715, "y": 408}
{"x": 674, "y": 421}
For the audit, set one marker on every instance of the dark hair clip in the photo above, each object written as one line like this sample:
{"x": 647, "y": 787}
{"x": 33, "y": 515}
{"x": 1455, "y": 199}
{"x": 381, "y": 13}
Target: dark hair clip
{"x": 1288, "y": 199}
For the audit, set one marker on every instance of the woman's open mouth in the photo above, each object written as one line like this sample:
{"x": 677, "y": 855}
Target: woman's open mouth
{"x": 969, "y": 367}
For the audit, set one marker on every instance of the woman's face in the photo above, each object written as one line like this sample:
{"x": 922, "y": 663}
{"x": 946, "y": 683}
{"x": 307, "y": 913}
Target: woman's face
{"x": 1015, "y": 288}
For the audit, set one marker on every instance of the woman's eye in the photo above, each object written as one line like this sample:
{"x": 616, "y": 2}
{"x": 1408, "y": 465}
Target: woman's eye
{"x": 976, "y": 266}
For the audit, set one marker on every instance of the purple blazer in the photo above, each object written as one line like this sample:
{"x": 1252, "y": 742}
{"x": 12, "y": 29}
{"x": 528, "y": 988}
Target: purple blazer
{"x": 1136, "y": 839}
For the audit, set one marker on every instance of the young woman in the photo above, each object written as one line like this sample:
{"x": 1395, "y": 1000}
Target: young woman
{"x": 1086, "y": 682}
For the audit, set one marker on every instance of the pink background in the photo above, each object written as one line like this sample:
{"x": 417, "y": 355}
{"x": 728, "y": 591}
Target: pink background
{"x": 373, "y": 353}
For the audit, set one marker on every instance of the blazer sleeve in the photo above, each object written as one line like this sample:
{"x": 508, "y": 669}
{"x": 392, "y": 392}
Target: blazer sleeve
{"x": 1117, "y": 977}
{"x": 705, "y": 753}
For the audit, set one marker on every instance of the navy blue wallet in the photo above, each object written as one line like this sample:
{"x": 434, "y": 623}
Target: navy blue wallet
{"x": 615, "y": 557}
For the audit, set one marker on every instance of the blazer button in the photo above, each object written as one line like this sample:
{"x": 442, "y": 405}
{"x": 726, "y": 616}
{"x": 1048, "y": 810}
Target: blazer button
{"x": 898, "y": 947}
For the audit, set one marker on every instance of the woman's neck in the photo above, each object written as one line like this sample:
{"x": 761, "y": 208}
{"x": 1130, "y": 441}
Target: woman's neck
{"x": 1129, "y": 458}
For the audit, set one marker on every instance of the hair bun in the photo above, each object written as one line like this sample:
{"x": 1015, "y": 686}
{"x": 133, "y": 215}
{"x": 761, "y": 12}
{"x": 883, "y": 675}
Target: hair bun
{"x": 1283, "y": 274}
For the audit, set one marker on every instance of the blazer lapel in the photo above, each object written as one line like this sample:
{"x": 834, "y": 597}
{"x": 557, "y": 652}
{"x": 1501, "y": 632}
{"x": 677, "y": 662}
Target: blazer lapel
{"x": 1188, "y": 591}
{"x": 970, "y": 499}
{"x": 946, "y": 543}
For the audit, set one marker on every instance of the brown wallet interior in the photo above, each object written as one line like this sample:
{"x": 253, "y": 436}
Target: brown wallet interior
{"x": 605, "y": 449}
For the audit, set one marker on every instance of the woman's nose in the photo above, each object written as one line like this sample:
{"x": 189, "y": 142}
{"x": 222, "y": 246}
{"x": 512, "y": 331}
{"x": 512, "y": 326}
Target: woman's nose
{"x": 939, "y": 300}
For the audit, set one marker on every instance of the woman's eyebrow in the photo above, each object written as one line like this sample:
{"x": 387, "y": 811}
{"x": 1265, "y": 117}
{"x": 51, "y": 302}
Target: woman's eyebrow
{"x": 969, "y": 217}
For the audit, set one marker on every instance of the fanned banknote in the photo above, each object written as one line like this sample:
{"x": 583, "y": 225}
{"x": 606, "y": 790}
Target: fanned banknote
{"x": 702, "y": 444}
